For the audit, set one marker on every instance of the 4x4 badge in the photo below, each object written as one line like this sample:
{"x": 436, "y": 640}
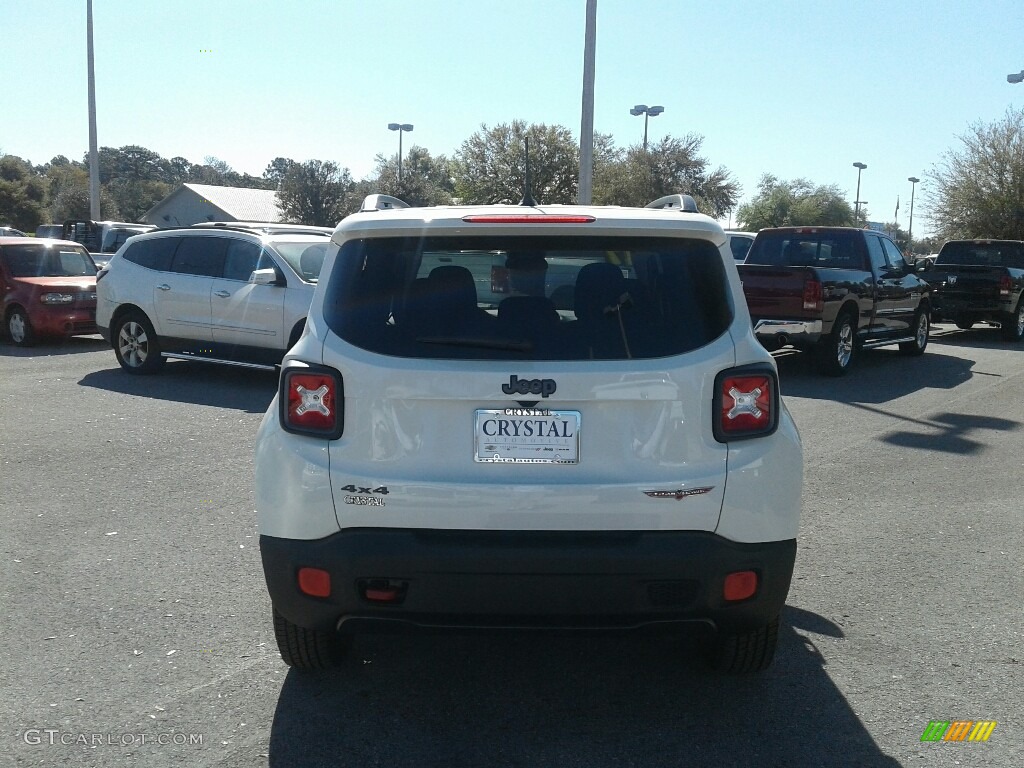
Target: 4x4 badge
{"x": 679, "y": 494}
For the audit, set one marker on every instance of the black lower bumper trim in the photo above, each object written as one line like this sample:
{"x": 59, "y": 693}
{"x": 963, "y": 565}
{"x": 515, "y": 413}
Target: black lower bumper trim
{"x": 525, "y": 579}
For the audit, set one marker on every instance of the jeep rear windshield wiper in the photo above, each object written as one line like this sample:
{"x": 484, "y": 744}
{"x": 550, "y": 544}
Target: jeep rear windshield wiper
{"x": 468, "y": 341}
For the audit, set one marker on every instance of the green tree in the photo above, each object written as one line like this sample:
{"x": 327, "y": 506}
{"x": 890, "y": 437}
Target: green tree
{"x": 316, "y": 192}
{"x": 177, "y": 171}
{"x": 636, "y": 176}
{"x": 490, "y": 165}
{"x": 68, "y": 186}
{"x": 277, "y": 170}
{"x": 22, "y": 194}
{"x": 795, "y": 203}
{"x": 133, "y": 197}
{"x": 425, "y": 180}
{"x": 977, "y": 190}
{"x": 130, "y": 162}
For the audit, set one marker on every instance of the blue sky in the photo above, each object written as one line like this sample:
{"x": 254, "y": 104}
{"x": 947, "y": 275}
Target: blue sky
{"x": 794, "y": 88}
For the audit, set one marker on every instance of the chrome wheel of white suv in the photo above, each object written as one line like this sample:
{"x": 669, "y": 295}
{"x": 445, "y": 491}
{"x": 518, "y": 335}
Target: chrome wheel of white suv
{"x": 136, "y": 345}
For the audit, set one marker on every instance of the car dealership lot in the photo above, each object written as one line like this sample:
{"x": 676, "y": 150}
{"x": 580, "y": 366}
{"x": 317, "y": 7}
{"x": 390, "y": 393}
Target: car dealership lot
{"x": 136, "y": 619}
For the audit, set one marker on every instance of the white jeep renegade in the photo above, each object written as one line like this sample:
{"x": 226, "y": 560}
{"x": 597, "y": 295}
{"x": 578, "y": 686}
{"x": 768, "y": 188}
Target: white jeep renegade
{"x": 528, "y": 416}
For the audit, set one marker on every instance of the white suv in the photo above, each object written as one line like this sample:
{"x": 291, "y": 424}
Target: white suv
{"x": 528, "y": 416}
{"x": 226, "y": 295}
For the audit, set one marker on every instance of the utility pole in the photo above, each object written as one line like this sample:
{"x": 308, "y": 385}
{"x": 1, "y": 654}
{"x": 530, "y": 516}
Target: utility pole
{"x": 586, "y": 185}
{"x": 94, "y": 157}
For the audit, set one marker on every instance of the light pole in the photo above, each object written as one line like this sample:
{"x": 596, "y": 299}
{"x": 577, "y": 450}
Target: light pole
{"x": 94, "y": 158}
{"x": 910, "y": 227}
{"x": 856, "y": 203}
{"x": 401, "y": 128}
{"x": 586, "y": 187}
{"x": 643, "y": 109}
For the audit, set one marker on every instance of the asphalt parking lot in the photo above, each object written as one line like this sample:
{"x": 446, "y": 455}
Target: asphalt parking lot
{"x": 137, "y": 629}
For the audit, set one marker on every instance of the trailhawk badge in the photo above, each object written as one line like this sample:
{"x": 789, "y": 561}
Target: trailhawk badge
{"x": 679, "y": 494}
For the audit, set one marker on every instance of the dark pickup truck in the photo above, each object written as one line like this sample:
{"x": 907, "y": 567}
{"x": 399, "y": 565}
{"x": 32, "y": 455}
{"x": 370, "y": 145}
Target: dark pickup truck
{"x": 979, "y": 281}
{"x": 834, "y": 291}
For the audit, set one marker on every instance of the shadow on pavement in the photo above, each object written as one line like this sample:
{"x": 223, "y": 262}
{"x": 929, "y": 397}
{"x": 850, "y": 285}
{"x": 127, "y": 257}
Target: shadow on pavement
{"x": 537, "y": 700}
{"x": 878, "y": 375}
{"x": 72, "y": 345}
{"x": 223, "y": 386}
{"x": 981, "y": 336}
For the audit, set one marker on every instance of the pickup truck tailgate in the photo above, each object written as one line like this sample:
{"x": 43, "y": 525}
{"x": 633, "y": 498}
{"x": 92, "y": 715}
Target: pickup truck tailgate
{"x": 774, "y": 291}
{"x": 966, "y": 282}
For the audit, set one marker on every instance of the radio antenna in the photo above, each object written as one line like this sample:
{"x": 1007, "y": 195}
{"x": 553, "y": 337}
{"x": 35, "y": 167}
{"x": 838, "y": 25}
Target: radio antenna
{"x": 527, "y": 197}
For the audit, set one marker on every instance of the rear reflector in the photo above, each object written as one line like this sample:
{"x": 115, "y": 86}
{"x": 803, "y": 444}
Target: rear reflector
{"x": 746, "y": 403}
{"x": 383, "y": 590}
{"x": 528, "y": 218}
{"x": 739, "y": 585}
{"x": 315, "y": 582}
{"x": 311, "y": 402}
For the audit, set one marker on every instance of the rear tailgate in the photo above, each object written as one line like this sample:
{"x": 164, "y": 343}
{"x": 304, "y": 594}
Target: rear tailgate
{"x": 775, "y": 292}
{"x": 967, "y": 284}
{"x": 641, "y": 431}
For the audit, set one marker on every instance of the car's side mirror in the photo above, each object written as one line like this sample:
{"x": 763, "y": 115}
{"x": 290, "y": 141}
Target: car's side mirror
{"x": 267, "y": 276}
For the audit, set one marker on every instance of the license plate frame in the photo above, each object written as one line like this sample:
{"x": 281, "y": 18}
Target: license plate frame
{"x": 543, "y": 436}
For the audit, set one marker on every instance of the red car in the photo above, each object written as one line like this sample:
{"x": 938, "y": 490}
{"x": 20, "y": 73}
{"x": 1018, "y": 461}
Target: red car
{"x": 47, "y": 288}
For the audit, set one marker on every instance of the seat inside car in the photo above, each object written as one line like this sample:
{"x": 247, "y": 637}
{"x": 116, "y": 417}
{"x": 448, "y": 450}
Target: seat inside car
{"x": 312, "y": 261}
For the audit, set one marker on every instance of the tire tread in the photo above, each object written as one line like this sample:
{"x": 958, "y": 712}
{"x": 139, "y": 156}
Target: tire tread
{"x": 306, "y": 649}
{"x": 746, "y": 652}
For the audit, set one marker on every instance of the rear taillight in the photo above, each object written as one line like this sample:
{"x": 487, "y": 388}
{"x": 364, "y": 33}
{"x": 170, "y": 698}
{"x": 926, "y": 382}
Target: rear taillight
{"x": 1005, "y": 285}
{"x": 746, "y": 403}
{"x": 812, "y": 295}
{"x": 311, "y": 402}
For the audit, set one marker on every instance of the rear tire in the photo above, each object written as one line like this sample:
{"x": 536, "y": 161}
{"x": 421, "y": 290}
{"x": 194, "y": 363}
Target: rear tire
{"x": 1013, "y": 324}
{"x": 922, "y": 326}
{"x": 837, "y": 350}
{"x": 19, "y": 328}
{"x": 308, "y": 649}
{"x": 743, "y": 653}
{"x": 964, "y": 325}
{"x": 136, "y": 345}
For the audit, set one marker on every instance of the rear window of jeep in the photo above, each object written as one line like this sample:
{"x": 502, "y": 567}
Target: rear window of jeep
{"x": 528, "y": 298}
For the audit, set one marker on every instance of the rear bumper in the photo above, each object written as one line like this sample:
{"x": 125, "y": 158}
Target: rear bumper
{"x": 778, "y": 333}
{"x": 955, "y": 307}
{"x": 561, "y": 579}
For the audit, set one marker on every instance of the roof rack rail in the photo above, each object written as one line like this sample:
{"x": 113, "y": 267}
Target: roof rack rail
{"x": 381, "y": 203}
{"x": 684, "y": 203}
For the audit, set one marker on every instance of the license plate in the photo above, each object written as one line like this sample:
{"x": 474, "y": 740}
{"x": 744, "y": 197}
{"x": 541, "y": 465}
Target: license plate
{"x": 527, "y": 436}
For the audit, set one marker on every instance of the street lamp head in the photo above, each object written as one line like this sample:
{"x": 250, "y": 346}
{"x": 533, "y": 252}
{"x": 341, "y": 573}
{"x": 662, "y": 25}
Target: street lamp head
{"x": 406, "y": 126}
{"x": 913, "y": 179}
{"x": 1017, "y": 78}
{"x": 862, "y": 166}
{"x": 655, "y": 111}
{"x": 393, "y": 126}
{"x": 639, "y": 109}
